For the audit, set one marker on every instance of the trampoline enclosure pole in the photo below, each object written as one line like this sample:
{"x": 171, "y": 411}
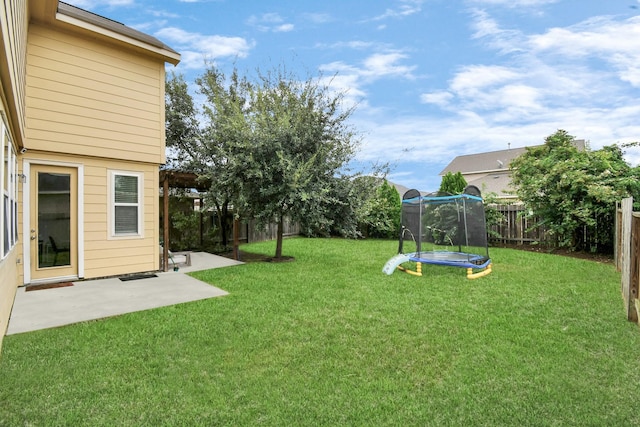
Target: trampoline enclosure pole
{"x": 419, "y": 241}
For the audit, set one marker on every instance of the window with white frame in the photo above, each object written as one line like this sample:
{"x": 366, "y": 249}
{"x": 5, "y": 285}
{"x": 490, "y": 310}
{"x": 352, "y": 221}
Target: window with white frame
{"x": 125, "y": 192}
{"x": 9, "y": 186}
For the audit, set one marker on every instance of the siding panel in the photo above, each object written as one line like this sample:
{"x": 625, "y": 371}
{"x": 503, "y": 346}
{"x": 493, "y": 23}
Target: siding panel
{"x": 13, "y": 28}
{"x": 65, "y": 93}
{"x": 104, "y": 257}
{"x": 91, "y": 99}
{"x": 70, "y": 49}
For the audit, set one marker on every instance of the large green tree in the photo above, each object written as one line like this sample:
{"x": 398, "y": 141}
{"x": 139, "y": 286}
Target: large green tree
{"x": 275, "y": 147}
{"x": 299, "y": 145}
{"x": 573, "y": 192}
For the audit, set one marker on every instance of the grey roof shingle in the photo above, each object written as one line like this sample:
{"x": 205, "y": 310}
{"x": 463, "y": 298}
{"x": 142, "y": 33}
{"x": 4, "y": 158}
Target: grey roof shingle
{"x": 492, "y": 160}
{"x": 483, "y": 162}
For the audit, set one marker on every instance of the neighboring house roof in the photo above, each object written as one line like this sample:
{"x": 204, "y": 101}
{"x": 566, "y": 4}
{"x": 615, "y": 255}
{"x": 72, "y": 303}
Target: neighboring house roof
{"x": 488, "y": 171}
{"x": 493, "y": 161}
{"x": 491, "y": 171}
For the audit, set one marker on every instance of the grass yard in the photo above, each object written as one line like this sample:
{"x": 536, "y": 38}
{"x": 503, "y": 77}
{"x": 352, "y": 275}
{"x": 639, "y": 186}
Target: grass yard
{"x": 329, "y": 340}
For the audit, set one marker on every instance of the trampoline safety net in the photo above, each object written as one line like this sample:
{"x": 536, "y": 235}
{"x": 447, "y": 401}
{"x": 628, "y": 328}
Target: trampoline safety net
{"x": 445, "y": 229}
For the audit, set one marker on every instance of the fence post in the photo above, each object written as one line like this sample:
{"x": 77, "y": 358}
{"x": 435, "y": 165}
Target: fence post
{"x": 617, "y": 238}
{"x": 634, "y": 277}
{"x": 629, "y": 293}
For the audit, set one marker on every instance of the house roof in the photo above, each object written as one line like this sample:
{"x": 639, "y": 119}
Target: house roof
{"x": 111, "y": 25}
{"x": 491, "y": 170}
{"x": 60, "y": 13}
{"x": 483, "y": 162}
{"x": 492, "y": 161}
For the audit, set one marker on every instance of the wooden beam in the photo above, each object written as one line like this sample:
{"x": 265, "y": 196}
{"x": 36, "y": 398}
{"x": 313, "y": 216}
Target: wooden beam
{"x": 165, "y": 223}
{"x": 179, "y": 179}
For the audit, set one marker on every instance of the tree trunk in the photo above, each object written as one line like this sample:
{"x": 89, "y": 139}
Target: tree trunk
{"x": 279, "y": 238}
{"x": 236, "y": 239}
{"x": 224, "y": 229}
{"x": 219, "y": 219}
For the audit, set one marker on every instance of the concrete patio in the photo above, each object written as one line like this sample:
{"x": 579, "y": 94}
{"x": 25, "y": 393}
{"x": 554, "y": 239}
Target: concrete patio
{"x": 97, "y": 299}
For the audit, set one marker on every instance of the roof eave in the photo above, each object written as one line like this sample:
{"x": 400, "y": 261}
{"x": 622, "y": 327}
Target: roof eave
{"x": 502, "y": 170}
{"x": 167, "y": 55}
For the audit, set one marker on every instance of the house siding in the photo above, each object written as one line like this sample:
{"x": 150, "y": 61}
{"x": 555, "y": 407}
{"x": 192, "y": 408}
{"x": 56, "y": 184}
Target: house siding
{"x": 8, "y": 273}
{"x": 14, "y": 24}
{"x": 80, "y": 92}
{"x": 13, "y": 48}
{"x": 90, "y": 98}
{"x": 105, "y": 256}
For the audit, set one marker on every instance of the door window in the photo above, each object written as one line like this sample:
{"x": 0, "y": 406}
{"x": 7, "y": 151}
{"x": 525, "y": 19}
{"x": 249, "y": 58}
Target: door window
{"x": 54, "y": 219}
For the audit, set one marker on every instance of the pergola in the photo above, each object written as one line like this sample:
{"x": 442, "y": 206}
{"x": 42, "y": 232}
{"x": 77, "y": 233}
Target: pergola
{"x": 176, "y": 179}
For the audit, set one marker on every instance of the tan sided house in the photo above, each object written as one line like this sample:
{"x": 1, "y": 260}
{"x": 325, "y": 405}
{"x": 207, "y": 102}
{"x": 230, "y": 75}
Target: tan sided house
{"x": 82, "y": 129}
{"x": 491, "y": 171}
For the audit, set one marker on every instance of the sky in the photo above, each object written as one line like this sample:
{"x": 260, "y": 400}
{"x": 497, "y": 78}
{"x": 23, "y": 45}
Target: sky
{"x": 429, "y": 79}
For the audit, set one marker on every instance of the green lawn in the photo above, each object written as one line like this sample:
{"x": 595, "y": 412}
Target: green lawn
{"x": 330, "y": 340}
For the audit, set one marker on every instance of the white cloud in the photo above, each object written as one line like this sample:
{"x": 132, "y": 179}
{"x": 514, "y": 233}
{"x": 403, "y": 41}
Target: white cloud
{"x": 284, "y": 28}
{"x": 602, "y": 38}
{"x": 386, "y": 64}
{"x": 405, "y": 8}
{"x": 581, "y": 78}
{"x": 353, "y": 44}
{"x": 437, "y": 140}
{"x": 605, "y": 39}
{"x": 162, "y": 14}
{"x": 352, "y": 79}
{"x": 554, "y": 69}
{"x": 373, "y": 67}
{"x": 504, "y": 40}
{"x": 441, "y": 98}
{"x": 270, "y": 22}
{"x": 318, "y": 18}
{"x": 600, "y": 34}
{"x": 347, "y": 85}
{"x": 195, "y": 48}
{"x": 472, "y": 79}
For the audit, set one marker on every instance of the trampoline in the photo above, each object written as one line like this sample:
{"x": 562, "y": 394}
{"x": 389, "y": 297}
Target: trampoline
{"x": 442, "y": 229}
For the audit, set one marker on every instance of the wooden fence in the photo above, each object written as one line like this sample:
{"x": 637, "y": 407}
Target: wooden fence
{"x": 627, "y": 255}
{"x": 249, "y": 232}
{"x": 516, "y": 228}
{"x": 202, "y": 230}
